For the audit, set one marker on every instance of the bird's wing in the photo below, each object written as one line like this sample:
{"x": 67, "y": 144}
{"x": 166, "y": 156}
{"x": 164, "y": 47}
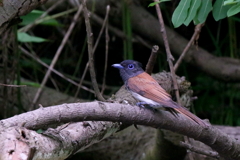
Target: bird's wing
{"x": 147, "y": 87}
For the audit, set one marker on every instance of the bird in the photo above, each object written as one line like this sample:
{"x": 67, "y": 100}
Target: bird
{"x": 147, "y": 90}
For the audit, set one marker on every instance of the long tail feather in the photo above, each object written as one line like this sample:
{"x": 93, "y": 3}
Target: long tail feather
{"x": 191, "y": 116}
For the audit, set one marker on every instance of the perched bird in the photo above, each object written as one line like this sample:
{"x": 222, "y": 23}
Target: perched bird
{"x": 145, "y": 89}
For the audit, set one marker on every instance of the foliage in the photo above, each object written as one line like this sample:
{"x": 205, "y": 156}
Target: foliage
{"x": 24, "y": 37}
{"x": 154, "y": 3}
{"x": 198, "y": 10}
{"x": 34, "y": 15}
{"x": 127, "y": 29}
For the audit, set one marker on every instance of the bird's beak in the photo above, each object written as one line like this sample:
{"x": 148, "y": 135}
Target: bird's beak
{"x": 119, "y": 66}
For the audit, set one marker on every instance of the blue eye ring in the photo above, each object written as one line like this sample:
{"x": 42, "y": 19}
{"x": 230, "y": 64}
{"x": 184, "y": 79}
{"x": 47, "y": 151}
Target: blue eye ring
{"x": 130, "y": 66}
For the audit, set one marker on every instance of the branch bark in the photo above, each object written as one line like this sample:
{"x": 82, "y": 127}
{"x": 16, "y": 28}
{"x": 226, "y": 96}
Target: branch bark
{"x": 90, "y": 51}
{"x": 56, "y": 115}
{"x": 11, "y": 11}
{"x": 61, "y": 142}
{"x": 226, "y": 146}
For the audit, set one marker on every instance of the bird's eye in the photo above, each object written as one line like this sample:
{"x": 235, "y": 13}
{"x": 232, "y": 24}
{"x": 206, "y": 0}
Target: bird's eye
{"x": 130, "y": 66}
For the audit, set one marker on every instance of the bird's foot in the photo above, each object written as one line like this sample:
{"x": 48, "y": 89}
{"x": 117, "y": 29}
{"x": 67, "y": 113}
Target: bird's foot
{"x": 141, "y": 104}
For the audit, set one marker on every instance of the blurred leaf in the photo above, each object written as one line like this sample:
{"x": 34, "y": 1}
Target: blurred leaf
{"x": 29, "y": 64}
{"x": 234, "y": 10}
{"x": 230, "y": 2}
{"x": 39, "y": 131}
{"x": 195, "y": 4}
{"x": 31, "y": 17}
{"x": 180, "y": 13}
{"x": 35, "y": 14}
{"x": 219, "y": 10}
{"x": 195, "y": 20}
{"x": 204, "y": 10}
{"x": 236, "y": 19}
{"x": 154, "y": 3}
{"x": 50, "y": 22}
{"x": 24, "y": 37}
{"x": 33, "y": 84}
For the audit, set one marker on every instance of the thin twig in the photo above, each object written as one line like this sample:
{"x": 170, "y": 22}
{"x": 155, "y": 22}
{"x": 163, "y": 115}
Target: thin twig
{"x": 102, "y": 28}
{"x": 200, "y": 150}
{"x": 12, "y": 85}
{"x": 106, "y": 50}
{"x": 152, "y": 59}
{"x": 81, "y": 80}
{"x": 118, "y": 32}
{"x": 53, "y": 70}
{"x": 169, "y": 55}
{"x": 195, "y": 35}
{"x": 90, "y": 52}
{"x": 70, "y": 29}
{"x": 94, "y": 49}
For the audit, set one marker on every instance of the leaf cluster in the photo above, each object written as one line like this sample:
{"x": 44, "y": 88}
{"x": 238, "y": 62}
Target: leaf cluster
{"x": 198, "y": 11}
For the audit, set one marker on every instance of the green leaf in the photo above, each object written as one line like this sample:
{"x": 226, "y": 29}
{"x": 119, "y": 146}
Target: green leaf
{"x": 154, "y": 3}
{"x": 204, "y": 10}
{"x": 233, "y": 10}
{"x": 35, "y": 14}
{"x": 33, "y": 84}
{"x": 31, "y": 17}
{"x": 195, "y": 4}
{"x": 24, "y": 37}
{"x": 219, "y": 10}
{"x": 230, "y": 2}
{"x": 50, "y": 22}
{"x": 180, "y": 13}
{"x": 195, "y": 20}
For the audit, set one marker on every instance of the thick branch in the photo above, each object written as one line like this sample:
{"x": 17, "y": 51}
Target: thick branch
{"x": 101, "y": 111}
{"x": 62, "y": 142}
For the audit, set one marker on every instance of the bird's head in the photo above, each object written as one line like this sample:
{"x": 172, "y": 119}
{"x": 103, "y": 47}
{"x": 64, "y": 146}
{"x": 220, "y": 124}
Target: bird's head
{"x": 129, "y": 68}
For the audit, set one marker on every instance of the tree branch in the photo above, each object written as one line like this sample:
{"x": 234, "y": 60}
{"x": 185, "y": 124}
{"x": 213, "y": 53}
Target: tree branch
{"x": 152, "y": 59}
{"x": 56, "y": 56}
{"x": 170, "y": 58}
{"x": 194, "y": 36}
{"x": 90, "y": 52}
{"x": 200, "y": 150}
{"x": 62, "y": 142}
{"x": 101, "y": 111}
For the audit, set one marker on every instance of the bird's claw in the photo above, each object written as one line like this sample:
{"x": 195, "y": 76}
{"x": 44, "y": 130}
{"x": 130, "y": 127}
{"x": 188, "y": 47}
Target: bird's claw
{"x": 141, "y": 104}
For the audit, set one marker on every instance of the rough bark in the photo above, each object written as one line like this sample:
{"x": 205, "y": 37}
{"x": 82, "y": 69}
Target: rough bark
{"x": 94, "y": 132}
{"x": 11, "y": 10}
{"x": 53, "y": 144}
{"x": 227, "y": 147}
